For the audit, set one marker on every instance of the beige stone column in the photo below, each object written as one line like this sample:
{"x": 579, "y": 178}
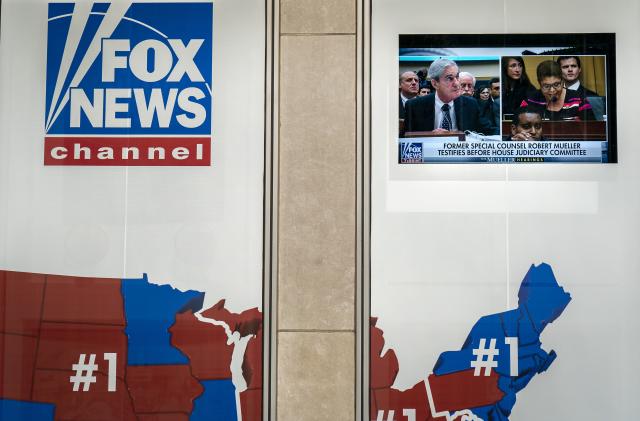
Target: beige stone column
{"x": 316, "y": 270}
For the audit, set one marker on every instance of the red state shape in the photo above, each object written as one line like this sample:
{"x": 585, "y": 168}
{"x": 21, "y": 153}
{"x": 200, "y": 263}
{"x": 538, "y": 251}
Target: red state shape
{"x": 163, "y": 417}
{"x": 162, "y": 388}
{"x": 83, "y": 300}
{"x": 97, "y": 404}
{"x": 246, "y": 323}
{"x": 384, "y": 369}
{"x": 17, "y": 362}
{"x": 21, "y": 302}
{"x": 204, "y": 344}
{"x": 251, "y": 405}
{"x": 62, "y": 343}
{"x": 252, "y": 363}
{"x": 462, "y": 390}
{"x": 394, "y": 400}
{"x": 373, "y": 405}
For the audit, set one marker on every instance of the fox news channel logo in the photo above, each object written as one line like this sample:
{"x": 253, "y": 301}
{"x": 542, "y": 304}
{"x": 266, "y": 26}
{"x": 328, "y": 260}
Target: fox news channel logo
{"x": 128, "y": 84}
{"x": 410, "y": 153}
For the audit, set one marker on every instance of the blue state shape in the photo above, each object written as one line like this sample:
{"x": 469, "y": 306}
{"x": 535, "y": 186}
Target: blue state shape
{"x": 150, "y": 310}
{"x": 540, "y": 301}
{"x": 26, "y": 411}
{"x": 490, "y": 412}
{"x": 217, "y": 402}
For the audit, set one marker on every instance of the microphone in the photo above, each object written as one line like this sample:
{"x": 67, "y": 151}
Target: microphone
{"x": 554, "y": 98}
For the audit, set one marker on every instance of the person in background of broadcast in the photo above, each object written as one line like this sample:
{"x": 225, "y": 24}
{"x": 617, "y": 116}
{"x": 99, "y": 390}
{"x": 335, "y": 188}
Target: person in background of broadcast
{"x": 494, "y": 84}
{"x": 425, "y": 89}
{"x": 571, "y": 69}
{"x": 484, "y": 94}
{"x": 467, "y": 83}
{"x": 445, "y": 110}
{"x": 409, "y": 85}
{"x": 490, "y": 109}
{"x": 515, "y": 84}
{"x": 553, "y": 100}
{"x": 526, "y": 125}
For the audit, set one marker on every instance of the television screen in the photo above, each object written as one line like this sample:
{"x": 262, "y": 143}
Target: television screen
{"x": 506, "y": 98}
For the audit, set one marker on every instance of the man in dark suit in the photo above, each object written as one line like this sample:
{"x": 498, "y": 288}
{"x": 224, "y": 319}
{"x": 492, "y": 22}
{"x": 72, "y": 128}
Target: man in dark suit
{"x": 571, "y": 69}
{"x": 444, "y": 110}
{"x": 409, "y": 88}
{"x": 490, "y": 109}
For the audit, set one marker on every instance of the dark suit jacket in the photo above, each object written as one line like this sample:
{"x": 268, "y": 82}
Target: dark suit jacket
{"x": 582, "y": 91}
{"x": 400, "y": 108}
{"x": 490, "y": 110}
{"x": 420, "y": 114}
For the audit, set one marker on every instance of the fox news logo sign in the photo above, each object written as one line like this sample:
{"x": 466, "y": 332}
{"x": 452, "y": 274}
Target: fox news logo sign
{"x": 410, "y": 153}
{"x": 128, "y": 84}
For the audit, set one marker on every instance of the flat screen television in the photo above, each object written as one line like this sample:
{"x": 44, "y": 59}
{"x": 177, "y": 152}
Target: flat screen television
{"x": 507, "y": 98}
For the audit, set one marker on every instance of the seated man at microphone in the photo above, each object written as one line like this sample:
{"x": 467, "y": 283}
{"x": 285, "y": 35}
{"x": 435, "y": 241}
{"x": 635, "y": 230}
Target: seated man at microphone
{"x": 445, "y": 110}
{"x": 554, "y": 101}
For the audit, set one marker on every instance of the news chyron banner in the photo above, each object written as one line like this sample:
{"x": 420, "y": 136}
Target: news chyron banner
{"x": 449, "y": 149}
{"x": 131, "y": 260}
{"x": 128, "y": 84}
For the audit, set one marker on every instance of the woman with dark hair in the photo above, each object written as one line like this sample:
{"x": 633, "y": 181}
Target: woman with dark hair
{"x": 554, "y": 101}
{"x": 483, "y": 93}
{"x": 515, "y": 84}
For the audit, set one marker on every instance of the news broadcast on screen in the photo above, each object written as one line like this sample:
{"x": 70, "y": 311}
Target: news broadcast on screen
{"x": 507, "y": 98}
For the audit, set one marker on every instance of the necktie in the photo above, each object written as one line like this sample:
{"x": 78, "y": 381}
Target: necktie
{"x": 446, "y": 118}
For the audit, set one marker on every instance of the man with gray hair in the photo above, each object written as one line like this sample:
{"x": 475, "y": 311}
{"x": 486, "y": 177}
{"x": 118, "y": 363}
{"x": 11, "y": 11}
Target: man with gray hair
{"x": 467, "y": 83}
{"x": 446, "y": 109}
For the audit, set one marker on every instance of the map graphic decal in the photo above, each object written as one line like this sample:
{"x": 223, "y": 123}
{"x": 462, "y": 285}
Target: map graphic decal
{"x": 499, "y": 357}
{"x": 99, "y": 349}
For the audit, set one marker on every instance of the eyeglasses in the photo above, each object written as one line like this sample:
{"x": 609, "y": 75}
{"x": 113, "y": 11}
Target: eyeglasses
{"x": 547, "y": 87}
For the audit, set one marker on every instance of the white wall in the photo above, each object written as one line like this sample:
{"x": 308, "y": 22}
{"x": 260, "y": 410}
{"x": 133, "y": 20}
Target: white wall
{"x": 451, "y": 243}
{"x": 194, "y": 227}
